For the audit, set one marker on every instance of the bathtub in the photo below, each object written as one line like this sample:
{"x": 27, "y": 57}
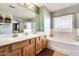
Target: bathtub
{"x": 64, "y": 43}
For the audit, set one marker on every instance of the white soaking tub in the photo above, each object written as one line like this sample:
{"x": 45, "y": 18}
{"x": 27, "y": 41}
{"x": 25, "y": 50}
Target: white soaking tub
{"x": 65, "y": 43}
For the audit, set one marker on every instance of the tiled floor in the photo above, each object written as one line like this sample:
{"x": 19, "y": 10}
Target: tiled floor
{"x": 49, "y": 52}
{"x": 46, "y": 52}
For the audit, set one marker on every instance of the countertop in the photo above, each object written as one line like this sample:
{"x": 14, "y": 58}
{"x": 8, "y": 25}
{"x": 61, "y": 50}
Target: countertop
{"x": 8, "y": 39}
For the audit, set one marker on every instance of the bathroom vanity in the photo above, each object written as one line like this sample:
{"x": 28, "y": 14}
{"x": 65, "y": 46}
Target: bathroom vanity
{"x": 25, "y": 45}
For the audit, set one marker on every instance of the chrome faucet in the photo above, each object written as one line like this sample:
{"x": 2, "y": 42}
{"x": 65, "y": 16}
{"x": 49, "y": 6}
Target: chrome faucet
{"x": 15, "y": 33}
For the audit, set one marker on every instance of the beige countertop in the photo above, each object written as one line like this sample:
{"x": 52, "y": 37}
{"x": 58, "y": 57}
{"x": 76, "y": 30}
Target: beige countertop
{"x": 8, "y": 39}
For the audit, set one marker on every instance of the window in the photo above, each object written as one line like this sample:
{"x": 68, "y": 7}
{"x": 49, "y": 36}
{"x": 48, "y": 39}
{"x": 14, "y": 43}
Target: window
{"x": 28, "y": 27}
{"x": 63, "y": 23}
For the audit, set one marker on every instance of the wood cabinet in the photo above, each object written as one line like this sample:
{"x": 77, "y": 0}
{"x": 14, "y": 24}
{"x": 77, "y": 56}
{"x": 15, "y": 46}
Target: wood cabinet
{"x": 15, "y": 53}
{"x": 20, "y": 44}
{"x": 4, "y": 50}
{"x": 29, "y": 47}
{"x": 38, "y": 45}
{"x": 28, "y": 50}
{"x": 44, "y": 42}
{"x": 32, "y": 42}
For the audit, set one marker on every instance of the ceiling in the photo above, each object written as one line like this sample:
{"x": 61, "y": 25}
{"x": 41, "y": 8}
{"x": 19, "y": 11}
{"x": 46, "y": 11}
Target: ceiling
{"x": 58, "y": 6}
{"x": 25, "y": 13}
{"x": 17, "y": 11}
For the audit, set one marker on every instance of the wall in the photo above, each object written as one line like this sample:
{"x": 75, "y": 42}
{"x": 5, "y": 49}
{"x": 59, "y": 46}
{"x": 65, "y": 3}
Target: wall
{"x": 69, "y": 10}
{"x": 47, "y": 21}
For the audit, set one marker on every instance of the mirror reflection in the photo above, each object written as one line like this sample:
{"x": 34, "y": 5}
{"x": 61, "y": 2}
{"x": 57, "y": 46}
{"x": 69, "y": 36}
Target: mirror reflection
{"x": 15, "y": 18}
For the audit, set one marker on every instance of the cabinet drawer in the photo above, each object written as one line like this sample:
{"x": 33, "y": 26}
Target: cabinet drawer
{"x": 19, "y": 45}
{"x": 4, "y": 50}
{"x": 15, "y": 53}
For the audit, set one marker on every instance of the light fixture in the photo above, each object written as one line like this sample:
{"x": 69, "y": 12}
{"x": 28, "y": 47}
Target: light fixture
{"x": 31, "y": 6}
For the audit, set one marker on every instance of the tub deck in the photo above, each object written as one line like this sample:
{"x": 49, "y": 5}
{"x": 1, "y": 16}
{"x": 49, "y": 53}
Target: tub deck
{"x": 65, "y": 43}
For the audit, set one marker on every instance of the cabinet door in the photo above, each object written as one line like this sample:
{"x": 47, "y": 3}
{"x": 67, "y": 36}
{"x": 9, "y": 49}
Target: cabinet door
{"x": 44, "y": 42}
{"x": 4, "y": 50}
{"x": 19, "y": 45}
{"x": 15, "y": 53}
{"x": 28, "y": 50}
{"x": 32, "y": 42}
{"x": 38, "y": 45}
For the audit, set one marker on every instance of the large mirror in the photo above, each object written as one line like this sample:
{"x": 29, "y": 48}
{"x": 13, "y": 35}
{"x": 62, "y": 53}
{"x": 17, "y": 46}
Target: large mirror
{"x": 14, "y": 17}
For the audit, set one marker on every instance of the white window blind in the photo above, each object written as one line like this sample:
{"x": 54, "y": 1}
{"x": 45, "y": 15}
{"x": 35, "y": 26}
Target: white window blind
{"x": 63, "y": 23}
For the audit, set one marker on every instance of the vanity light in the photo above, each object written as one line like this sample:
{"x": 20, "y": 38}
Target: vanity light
{"x": 30, "y": 5}
{"x": 27, "y": 5}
